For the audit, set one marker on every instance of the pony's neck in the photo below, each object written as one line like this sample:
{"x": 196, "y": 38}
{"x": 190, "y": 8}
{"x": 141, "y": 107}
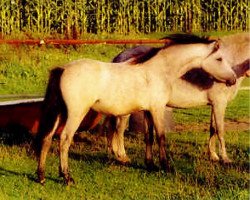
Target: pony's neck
{"x": 180, "y": 59}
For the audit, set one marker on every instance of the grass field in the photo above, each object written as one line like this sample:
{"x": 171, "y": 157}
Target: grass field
{"x": 97, "y": 174}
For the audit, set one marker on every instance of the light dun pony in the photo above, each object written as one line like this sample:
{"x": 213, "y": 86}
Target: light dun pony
{"x": 196, "y": 88}
{"x": 119, "y": 89}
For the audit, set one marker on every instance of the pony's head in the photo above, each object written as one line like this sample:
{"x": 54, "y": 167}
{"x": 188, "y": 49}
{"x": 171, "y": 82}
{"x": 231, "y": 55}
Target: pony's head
{"x": 208, "y": 55}
{"x": 216, "y": 64}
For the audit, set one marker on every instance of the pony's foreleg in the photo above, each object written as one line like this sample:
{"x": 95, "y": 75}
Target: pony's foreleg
{"x": 149, "y": 140}
{"x": 46, "y": 143}
{"x": 159, "y": 122}
{"x": 219, "y": 113}
{"x": 212, "y": 140}
{"x": 118, "y": 139}
{"x": 73, "y": 121}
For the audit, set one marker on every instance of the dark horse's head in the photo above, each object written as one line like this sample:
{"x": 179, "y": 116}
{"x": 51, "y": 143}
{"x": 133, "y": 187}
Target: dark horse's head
{"x": 242, "y": 69}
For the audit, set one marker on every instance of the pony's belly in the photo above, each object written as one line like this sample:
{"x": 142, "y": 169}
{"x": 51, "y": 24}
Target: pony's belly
{"x": 116, "y": 108}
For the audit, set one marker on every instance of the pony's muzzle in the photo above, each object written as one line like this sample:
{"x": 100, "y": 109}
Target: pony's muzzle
{"x": 231, "y": 81}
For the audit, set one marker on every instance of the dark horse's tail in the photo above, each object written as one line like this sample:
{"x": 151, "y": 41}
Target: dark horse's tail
{"x": 52, "y": 106}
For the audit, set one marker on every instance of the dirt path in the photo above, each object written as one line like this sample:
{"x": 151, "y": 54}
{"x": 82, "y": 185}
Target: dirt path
{"x": 242, "y": 125}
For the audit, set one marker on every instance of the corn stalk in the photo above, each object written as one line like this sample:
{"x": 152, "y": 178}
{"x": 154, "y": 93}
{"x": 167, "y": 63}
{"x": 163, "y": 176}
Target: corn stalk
{"x": 74, "y": 17}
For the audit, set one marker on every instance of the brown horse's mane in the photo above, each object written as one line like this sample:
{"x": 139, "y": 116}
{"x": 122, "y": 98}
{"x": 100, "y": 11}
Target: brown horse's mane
{"x": 199, "y": 78}
{"x": 174, "y": 39}
{"x": 241, "y": 68}
{"x": 203, "y": 80}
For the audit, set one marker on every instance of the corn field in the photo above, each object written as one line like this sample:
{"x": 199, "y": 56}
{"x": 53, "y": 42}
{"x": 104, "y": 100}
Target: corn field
{"x": 76, "y": 17}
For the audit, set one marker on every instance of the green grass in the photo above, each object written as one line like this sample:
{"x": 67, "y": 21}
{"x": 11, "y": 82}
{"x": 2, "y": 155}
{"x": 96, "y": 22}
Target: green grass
{"x": 246, "y": 82}
{"x": 237, "y": 109}
{"x": 98, "y": 176}
{"x": 24, "y": 69}
{"x": 22, "y": 74}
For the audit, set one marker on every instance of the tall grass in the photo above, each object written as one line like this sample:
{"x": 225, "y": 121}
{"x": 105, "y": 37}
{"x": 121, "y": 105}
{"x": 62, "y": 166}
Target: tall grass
{"x": 76, "y": 17}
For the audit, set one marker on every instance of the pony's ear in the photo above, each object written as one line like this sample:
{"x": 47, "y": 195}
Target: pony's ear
{"x": 214, "y": 46}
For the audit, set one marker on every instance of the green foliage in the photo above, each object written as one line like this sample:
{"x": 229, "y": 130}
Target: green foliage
{"x": 78, "y": 17}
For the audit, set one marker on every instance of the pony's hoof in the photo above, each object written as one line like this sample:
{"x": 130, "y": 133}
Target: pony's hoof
{"x": 69, "y": 181}
{"x": 41, "y": 181}
{"x": 214, "y": 157}
{"x": 124, "y": 160}
{"x": 41, "y": 177}
{"x": 165, "y": 166}
{"x": 227, "y": 161}
{"x": 151, "y": 166}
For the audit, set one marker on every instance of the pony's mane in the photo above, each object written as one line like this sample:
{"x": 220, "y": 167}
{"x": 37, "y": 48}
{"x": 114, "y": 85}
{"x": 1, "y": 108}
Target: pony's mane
{"x": 186, "y": 38}
{"x": 172, "y": 39}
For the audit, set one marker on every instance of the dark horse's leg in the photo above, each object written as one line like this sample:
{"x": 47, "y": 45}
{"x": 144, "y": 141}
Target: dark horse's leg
{"x": 110, "y": 124}
{"x": 158, "y": 115}
{"x": 149, "y": 140}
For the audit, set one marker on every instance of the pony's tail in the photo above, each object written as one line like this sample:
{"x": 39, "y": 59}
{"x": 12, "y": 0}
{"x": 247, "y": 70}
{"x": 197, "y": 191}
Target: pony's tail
{"x": 53, "y": 106}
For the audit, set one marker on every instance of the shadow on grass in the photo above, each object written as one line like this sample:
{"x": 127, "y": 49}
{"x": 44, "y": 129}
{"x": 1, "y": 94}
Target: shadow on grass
{"x": 187, "y": 161}
{"x": 31, "y": 177}
{"x": 15, "y": 135}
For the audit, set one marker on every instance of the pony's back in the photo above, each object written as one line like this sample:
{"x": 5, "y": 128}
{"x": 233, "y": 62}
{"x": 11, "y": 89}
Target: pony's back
{"x": 237, "y": 47}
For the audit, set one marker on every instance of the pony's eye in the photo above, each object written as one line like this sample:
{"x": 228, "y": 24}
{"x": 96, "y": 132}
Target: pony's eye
{"x": 219, "y": 59}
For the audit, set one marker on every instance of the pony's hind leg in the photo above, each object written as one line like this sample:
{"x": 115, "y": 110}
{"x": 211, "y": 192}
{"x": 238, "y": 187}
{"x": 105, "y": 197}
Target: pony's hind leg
{"x": 149, "y": 140}
{"x": 72, "y": 123}
{"x": 45, "y": 146}
{"x": 159, "y": 123}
